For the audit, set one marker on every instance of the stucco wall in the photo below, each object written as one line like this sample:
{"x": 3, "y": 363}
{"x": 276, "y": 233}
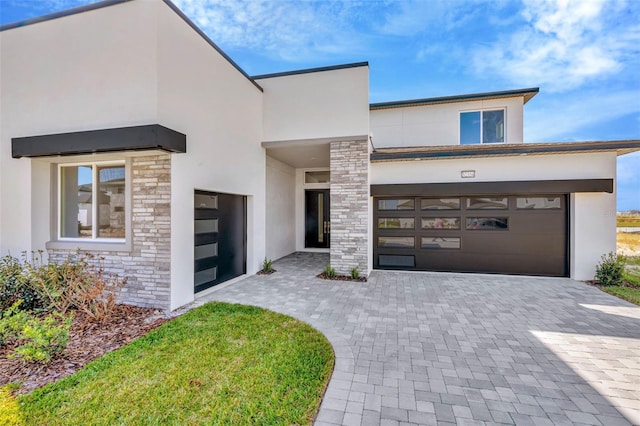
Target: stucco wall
{"x": 316, "y": 105}
{"x": 87, "y": 71}
{"x": 280, "y": 209}
{"x": 202, "y": 95}
{"x": 592, "y": 221}
{"x": 439, "y": 124}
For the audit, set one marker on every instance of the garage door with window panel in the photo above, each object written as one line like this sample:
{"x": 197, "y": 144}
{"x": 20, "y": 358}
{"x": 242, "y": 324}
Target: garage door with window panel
{"x": 509, "y": 234}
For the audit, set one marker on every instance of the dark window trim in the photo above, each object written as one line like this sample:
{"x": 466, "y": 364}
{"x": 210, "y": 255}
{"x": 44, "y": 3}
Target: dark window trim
{"x": 136, "y": 138}
{"x": 551, "y": 187}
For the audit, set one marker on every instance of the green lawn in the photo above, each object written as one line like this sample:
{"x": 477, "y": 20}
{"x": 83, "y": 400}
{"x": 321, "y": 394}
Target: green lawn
{"x": 627, "y": 293}
{"x": 218, "y": 364}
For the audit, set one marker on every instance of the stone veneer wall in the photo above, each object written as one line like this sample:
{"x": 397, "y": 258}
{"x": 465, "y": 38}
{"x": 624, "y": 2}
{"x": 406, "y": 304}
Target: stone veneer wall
{"x": 148, "y": 265}
{"x": 349, "y": 206}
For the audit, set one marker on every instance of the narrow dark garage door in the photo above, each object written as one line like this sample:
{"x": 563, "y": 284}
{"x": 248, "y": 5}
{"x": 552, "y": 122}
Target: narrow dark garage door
{"x": 494, "y": 234}
{"x": 220, "y": 238}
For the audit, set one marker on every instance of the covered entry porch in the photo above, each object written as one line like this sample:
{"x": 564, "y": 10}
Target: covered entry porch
{"x": 317, "y": 196}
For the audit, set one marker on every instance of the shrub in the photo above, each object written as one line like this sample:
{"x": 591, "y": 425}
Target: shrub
{"x": 9, "y": 408}
{"x": 12, "y": 322}
{"x": 15, "y": 285}
{"x": 79, "y": 282}
{"x": 267, "y": 266}
{"x": 43, "y": 338}
{"x": 329, "y": 272}
{"x": 610, "y": 269}
{"x": 354, "y": 274}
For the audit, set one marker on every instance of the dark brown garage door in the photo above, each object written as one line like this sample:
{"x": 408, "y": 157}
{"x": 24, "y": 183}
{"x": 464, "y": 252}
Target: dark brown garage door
{"x": 494, "y": 234}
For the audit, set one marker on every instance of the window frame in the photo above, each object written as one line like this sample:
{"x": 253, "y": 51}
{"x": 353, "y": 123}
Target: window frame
{"x": 94, "y": 202}
{"x": 482, "y": 111}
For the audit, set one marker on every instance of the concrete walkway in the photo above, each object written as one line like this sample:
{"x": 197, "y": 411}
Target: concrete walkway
{"x": 434, "y": 348}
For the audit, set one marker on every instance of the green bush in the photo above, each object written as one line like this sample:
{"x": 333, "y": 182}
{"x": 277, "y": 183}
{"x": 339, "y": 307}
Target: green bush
{"x": 15, "y": 285}
{"x": 610, "y": 269}
{"x": 355, "y": 274}
{"x": 43, "y": 338}
{"x": 329, "y": 272}
{"x": 12, "y": 322}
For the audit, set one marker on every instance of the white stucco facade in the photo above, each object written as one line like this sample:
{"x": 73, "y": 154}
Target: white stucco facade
{"x": 142, "y": 63}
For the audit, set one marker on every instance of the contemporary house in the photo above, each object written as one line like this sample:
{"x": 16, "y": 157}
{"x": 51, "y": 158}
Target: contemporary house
{"x": 126, "y": 132}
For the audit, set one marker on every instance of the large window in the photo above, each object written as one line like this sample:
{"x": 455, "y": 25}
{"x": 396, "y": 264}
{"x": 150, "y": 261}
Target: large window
{"x": 92, "y": 201}
{"x": 481, "y": 127}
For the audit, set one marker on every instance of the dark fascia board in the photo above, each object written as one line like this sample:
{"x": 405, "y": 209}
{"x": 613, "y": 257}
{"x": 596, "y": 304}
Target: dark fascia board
{"x": 106, "y": 3}
{"x": 457, "y": 151}
{"x": 311, "y": 70}
{"x": 136, "y": 138}
{"x": 532, "y": 187}
{"x": 61, "y": 14}
{"x": 527, "y": 93}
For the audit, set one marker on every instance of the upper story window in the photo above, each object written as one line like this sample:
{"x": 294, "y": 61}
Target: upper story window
{"x": 91, "y": 201}
{"x": 482, "y": 127}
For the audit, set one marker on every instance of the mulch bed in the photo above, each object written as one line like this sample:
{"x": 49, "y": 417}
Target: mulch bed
{"x": 87, "y": 341}
{"x": 323, "y": 276}
{"x": 262, "y": 272}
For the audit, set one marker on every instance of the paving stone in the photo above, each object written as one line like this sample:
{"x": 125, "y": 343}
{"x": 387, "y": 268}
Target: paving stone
{"x": 422, "y": 343}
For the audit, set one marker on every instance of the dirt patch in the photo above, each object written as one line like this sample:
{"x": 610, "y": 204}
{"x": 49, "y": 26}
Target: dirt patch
{"x": 266, "y": 272}
{"x": 628, "y": 243}
{"x": 87, "y": 341}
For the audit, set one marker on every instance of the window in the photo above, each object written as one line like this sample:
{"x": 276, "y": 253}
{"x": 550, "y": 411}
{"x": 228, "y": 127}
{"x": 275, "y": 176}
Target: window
{"x": 481, "y": 127}
{"x": 440, "y": 243}
{"x": 440, "y": 204}
{"x": 396, "y": 242}
{"x": 440, "y": 223}
{"x": 474, "y": 203}
{"x": 488, "y": 223}
{"x": 92, "y": 201}
{"x": 317, "y": 177}
{"x": 401, "y": 204}
{"x": 396, "y": 223}
{"x": 538, "y": 203}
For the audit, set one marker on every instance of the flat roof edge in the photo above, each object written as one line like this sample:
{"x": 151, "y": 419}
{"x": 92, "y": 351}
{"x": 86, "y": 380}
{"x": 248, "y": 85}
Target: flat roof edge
{"x": 312, "y": 70}
{"x": 61, "y": 14}
{"x": 461, "y": 151}
{"x": 527, "y": 93}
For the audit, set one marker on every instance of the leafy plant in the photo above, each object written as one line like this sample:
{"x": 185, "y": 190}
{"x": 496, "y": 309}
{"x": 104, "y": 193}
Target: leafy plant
{"x": 354, "y": 274}
{"x": 329, "y": 272}
{"x": 267, "y": 266}
{"x": 12, "y": 322}
{"x": 43, "y": 338}
{"x": 15, "y": 285}
{"x": 610, "y": 269}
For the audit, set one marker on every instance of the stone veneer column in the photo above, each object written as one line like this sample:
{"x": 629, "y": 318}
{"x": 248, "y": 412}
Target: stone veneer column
{"x": 349, "y": 206}
{"x": 148, "y": 265}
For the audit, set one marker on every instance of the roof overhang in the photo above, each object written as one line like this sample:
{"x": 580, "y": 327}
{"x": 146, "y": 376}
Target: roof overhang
{"x": 137, "y": 138}
{"x": 533, "y": 187}
{"x": 620, "y": 147}
{"x": 527, "y": 94}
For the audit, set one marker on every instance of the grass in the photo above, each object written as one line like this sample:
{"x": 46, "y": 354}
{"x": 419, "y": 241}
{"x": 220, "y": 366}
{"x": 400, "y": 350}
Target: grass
{"x": 630, "y": 294}
{"x": 628, "y": 221}
{"x": 218, "y": 364}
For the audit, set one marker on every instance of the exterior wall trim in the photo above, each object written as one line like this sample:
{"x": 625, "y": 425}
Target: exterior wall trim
{"x": 489, "y": 188}
{"x": 136, "y": 138}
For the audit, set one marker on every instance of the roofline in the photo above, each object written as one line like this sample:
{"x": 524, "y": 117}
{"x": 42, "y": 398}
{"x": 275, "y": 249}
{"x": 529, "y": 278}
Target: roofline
{"x": 107, "y": 3}
{"x": 621, "y": 147}
{"x": 61, "y": 14}
{"x": 527, "y": 93}
{"x": 312, "y": 70}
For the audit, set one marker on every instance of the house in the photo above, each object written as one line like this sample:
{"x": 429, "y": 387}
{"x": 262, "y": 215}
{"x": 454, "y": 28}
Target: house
{"x": 126, "y": 132}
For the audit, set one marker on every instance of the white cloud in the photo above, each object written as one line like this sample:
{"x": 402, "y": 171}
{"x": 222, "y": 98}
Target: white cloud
{"x": 288, "y": 30}
{"x": 564, "y": 44}
{"x": 562, "y": 117}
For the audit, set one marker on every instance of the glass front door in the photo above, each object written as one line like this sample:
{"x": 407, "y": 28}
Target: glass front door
{"x": 317, "y": 222}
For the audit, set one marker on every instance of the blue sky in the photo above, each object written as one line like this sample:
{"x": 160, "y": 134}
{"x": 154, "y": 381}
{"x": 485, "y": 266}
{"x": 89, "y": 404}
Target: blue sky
{"x": 583, "y": 54}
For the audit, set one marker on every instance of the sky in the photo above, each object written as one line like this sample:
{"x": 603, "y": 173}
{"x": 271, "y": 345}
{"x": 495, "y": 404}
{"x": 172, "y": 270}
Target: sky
{"x": 584, "y": 55}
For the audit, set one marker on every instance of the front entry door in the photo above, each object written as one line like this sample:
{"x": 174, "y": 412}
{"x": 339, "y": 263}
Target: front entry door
{"x": 317, "y": 224}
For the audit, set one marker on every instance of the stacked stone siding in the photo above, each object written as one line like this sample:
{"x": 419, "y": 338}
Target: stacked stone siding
{"x": 349, "y": 206}
{"x": 148, "y": 265}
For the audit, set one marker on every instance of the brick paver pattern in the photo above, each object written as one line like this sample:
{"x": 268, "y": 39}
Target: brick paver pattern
{"x": 437, "y": 348}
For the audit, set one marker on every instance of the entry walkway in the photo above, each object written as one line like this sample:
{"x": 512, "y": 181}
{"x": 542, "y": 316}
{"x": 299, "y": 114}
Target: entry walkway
{"x": 434, "y": 348}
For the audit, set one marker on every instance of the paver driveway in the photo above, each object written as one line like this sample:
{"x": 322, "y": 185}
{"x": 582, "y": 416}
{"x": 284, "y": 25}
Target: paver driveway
{"x": 427, "y": 348}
